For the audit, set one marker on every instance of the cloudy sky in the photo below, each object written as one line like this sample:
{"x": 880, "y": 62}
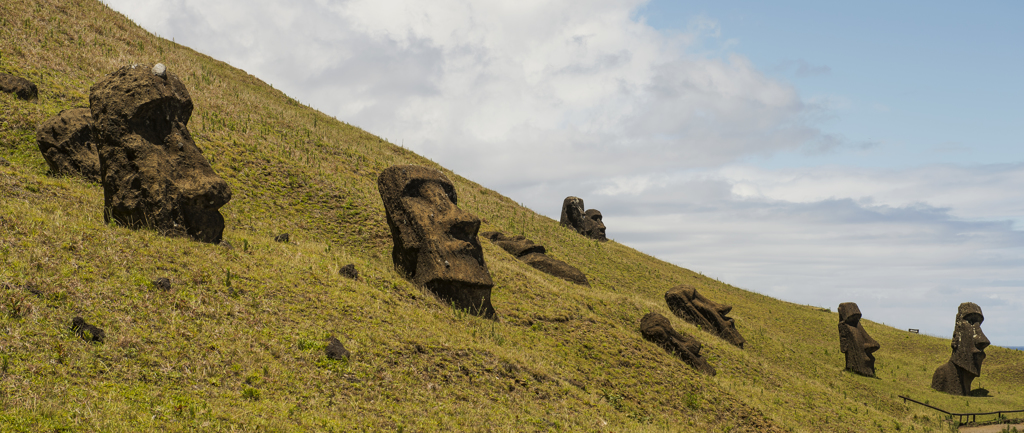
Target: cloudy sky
{"x": 818, "y": 153}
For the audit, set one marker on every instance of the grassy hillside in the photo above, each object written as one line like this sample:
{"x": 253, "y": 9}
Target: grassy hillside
{"x": 237, "y": 343}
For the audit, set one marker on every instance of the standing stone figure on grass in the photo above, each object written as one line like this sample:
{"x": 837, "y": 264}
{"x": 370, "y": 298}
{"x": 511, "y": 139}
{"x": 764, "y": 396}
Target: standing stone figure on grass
{"x": 588, "y": 223}
{"x": 855, "y": 342}
{"x": 685, "y": 302}
{"x": 969, "y": 343}
{"x": 657, "y": 329}
{"x": 67, "y": 144}
{"x": 153, "y": 174}
{"x": 435, "y": 242}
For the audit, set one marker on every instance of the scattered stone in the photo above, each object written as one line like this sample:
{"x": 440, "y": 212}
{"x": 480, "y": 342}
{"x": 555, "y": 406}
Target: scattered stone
{"x": 535, "y": 255}
{"x": 687, "y": 304}
{"x": 283, "y": 237}
{"x": 435, "y": 242}
{"x": 969, "y": 343}
{"x": 227, "y": 245}
{"x": 160, "y": 70}
{"x": 3, "y": 162}
{"x": 20, "y": 87}
{"x": 589, "y": 223}
{"x": 86, "y": 331}
{"x": 336, "y": 350}
{"x": 162, "y": 284}
{"x": 66, "y": 142}
{"x": 153, "y": 174}
{"x": 349, "y": 271}
{"x": 855, "y": 342}
{"x": 657, "y": 329}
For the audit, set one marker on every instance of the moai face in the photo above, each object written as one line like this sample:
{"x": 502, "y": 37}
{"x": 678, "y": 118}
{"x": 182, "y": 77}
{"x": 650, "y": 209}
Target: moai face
{"x": 593, "y": 226}
{"x": 435, "y": 242}
{"x": 657, "y": 329}
{"x": 855, "y": 342}
{"x": 969, "y": 342}
{"x": 685, "y": 302}
{"x": 152, "y": 172}
{"x": 572, "y": 213}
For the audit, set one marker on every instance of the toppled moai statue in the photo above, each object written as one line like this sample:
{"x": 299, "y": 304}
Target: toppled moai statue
{"x": 435, "y": 242}
{"x": 657, "y": 329}
{"x": 855, "y": 342}
{"x": 685, "y": 302}
{"x": 153, "y": 174}
{"x": 66, "y": 142}
{"x": 20, "y": 87}
{"x": 589, "y": 223}
{"x": 969, "y": 343}
{"x": 535, "y": 255}
{"x": 86, "y": 331}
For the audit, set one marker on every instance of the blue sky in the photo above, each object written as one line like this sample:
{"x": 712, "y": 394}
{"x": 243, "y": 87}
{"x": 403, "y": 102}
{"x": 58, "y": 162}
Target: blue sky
{"x": 922, "y": 83}
{"x": 816, "y": 153}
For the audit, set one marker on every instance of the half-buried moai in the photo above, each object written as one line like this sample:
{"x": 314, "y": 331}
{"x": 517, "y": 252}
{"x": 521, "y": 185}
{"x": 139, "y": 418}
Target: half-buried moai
{"x": 969, "y": 343}
{"x": 66, "y": 142}
{"x": 685, "y": 302}
{"x": 535, "y": 255}
{"x": 657, "y": 329}
{"x": 435, "y": 242}
{"x": 153, "y": 173}
{"x": 855, "y": 342}
{"x": 589, "y": 223}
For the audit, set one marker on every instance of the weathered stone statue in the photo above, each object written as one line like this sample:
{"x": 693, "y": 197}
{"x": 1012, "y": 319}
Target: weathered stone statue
{"x": 66, "y": 142}
{"x": 435, "y": 242}
{"x": 855, "y": 342}
{"x": 587, "y": 223}
{"x": 657, "y": 329}
{"x": 153, "y": 174}
{"x": 969, "y": 343}
{"x": 535, "y": 255}
{"x": 685, "y": 302}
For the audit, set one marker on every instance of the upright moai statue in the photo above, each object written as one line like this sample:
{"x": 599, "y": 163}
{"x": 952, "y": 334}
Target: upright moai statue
{"x": 855, "y": 342}
{"x": 969, "y": 343}
{"x": 435, "y": 242}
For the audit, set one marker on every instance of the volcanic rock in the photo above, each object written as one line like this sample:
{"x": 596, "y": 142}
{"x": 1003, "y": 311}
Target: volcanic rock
{"x": 86, "y": 331}
{"x": 66, "y": 142}
{"x": 20, "y": 87}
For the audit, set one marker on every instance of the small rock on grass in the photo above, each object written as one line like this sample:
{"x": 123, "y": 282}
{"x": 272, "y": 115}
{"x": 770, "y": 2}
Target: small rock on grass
{"x": 3, "y": 162}
{"x": 349, "y": 271}
{"x": 283, "y": 237}
{"x": 162, "y": 284}
{"x": 86, "y": 331}
{"x": 336, "y": 350}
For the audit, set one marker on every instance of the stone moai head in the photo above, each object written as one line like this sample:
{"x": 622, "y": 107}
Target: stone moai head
{"x": 593, "y": 226}
{"x": 572, "y": 213}
{"x": 855, "y": 342}
{"x": 685, "y": 302}
{"x": 969, "y": 342}
{"x": 657, "y": 329}
{"x": 435, "y": 242}
{"x": 153, "y": 173}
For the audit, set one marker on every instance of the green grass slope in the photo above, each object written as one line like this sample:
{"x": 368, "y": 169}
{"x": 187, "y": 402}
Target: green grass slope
{"x": 237, "y": 343}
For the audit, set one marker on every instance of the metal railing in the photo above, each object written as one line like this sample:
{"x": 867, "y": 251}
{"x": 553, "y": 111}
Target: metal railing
{"x": 970, "y": 417}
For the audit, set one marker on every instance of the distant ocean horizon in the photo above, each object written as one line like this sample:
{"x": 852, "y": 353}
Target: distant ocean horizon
{"x": 1015, "y": 347}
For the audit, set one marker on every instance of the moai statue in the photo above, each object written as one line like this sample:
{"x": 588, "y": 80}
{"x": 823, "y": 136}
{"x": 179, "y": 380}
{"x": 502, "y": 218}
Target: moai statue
{"x": 855, "y": 342}
{"x": 535, "y": 255}
{"x": 657, "y": 329}
{"x": 969, "y": 343}
{"x": 685, "y": 302}
{"x": 435, "y": 242}
{"x": 67, "y": 145}
{"x": 589, "y": 223}
{"x": 152, "y": 172}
